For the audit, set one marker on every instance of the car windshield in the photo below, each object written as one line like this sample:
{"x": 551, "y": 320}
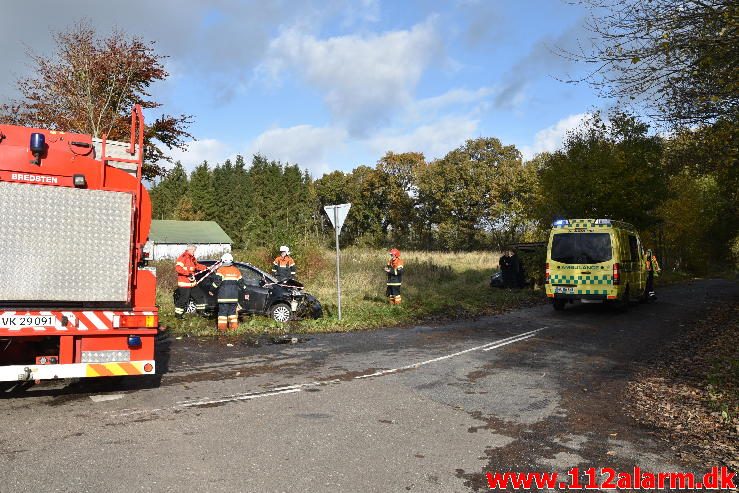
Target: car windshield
{"x": 581, "y": 248}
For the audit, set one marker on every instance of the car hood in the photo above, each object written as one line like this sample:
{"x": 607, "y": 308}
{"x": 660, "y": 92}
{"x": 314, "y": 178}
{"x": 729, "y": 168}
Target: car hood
{"x": 291, "y": 283}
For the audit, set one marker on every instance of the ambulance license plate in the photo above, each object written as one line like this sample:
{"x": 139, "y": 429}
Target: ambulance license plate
{"x": 26, "y": 321}
{"x": 564, "y": 289}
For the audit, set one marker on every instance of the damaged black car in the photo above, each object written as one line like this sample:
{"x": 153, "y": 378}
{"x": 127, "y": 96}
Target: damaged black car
{"x": 282, "y": 301}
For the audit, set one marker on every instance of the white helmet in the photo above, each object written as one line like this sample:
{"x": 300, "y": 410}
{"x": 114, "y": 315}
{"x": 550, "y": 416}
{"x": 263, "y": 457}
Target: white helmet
{"x": 227, "y": 259}
{"x": 285, "y": 249}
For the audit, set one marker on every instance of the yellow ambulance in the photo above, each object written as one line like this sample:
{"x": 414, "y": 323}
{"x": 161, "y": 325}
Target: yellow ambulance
{"x": 594, "y": 261}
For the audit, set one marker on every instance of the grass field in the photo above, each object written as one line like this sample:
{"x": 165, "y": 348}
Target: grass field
{"x": 435, "y": 286}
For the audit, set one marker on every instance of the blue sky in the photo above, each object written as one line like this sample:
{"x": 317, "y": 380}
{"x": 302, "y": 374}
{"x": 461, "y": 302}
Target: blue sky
{"x": 335, "y": 84}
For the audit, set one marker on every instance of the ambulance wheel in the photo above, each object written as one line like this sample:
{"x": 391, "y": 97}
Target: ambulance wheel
{"x": 623, "y": 304}
{"x": 280, "y": 313}
{"x": 559, "y": 305}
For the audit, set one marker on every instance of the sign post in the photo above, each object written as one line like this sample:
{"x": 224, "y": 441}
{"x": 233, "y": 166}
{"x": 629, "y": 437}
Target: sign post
{"x": 337, "y": 214}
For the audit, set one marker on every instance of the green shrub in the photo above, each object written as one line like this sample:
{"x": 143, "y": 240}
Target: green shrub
{"x": 534, "y": 262}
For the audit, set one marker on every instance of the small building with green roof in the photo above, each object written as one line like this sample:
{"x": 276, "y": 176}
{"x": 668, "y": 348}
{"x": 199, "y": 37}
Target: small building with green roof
{"x": 168, "y": 239}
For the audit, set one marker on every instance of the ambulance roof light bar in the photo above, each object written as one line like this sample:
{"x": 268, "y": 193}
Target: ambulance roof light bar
{"x": 604, "y": 222}
{"x": 560, "y": 223}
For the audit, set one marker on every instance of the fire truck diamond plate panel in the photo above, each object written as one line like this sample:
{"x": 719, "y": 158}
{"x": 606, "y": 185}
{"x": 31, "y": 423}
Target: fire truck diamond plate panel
{"x": 64, "y": 244}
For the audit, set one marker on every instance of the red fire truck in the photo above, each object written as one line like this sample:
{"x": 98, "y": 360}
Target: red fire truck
{"x": 76, "y": 299}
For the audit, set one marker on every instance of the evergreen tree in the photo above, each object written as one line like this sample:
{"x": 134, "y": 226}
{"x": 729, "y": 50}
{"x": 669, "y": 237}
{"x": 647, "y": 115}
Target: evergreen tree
{"x": 185, "y": 210}
{"x": 201, "y": 192}
{"x": 167, "y": 194}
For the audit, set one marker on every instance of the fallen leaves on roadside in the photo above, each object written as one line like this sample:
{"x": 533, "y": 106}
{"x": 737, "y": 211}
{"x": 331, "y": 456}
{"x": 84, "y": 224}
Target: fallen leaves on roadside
{"x": 690, "y": 392}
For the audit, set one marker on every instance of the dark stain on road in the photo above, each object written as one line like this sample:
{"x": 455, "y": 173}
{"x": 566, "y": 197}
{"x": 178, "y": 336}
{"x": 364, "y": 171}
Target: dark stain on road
{"x": 591, "y": 389}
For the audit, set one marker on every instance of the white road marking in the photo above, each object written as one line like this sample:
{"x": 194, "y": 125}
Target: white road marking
{"x": 106, "y": 397}
{"x": 496, "y": 346}
{"x": 484, "y": 347}
{"x": 291, "y": 389}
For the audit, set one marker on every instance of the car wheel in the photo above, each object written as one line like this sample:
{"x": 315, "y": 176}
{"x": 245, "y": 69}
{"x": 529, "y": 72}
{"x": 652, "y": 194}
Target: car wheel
{"x": 280, "y": 313}
{"x": 559, "y": 305}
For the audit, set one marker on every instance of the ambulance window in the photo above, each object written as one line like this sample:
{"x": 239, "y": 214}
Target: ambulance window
{"x": 581, "y": 248}
{"x": 633, "y": 248}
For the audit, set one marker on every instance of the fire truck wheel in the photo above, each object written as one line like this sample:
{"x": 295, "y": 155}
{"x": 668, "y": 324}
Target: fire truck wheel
{"x": 280, "y": 313}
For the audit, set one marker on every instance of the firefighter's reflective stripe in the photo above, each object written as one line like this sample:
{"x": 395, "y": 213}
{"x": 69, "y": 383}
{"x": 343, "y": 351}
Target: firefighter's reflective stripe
{"x": 283, "y": 266}
{"x": 229, "y": 283}
{"x": 14, "y": 373}
{"x": 186, "y": 265}
{"x": 229, "y": 276}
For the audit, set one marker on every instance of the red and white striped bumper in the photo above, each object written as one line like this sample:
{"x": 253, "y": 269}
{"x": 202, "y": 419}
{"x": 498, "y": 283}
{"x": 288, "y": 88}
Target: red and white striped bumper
{"x": 77, "y": 321}
{"x": 14, "y": 373}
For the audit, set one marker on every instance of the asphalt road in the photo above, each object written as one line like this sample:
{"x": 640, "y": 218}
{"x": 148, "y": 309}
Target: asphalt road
{"x": 417, "y": 409}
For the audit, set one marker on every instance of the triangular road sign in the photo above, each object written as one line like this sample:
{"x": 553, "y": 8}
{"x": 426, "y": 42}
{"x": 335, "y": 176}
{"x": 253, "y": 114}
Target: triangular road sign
{"x": 337, "y": 214}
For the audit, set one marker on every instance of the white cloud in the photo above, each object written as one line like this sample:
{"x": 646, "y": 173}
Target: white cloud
{"x": 364, "y": 79}
{"x": 362, "y": 11}
{"x": 304, "y": 145}
{"x": 218, "y": 42}
{"x": 435, "y": 139}
{"x": 550, "y": 139}
{"x": 455, "y": 98}
{"x": 211, "y": 150}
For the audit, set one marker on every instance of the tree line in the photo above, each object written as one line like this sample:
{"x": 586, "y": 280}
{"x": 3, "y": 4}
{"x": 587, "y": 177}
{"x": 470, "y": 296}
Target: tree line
{"x": 482, "y": 195}
{"x": 265, "y": 203}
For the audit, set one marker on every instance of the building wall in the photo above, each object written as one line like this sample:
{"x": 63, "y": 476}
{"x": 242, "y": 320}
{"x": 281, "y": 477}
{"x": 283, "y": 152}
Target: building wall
{"x": 162, "y": 251}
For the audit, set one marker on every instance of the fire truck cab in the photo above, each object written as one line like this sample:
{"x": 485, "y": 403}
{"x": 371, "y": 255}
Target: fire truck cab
{"x": 76, "y": 299}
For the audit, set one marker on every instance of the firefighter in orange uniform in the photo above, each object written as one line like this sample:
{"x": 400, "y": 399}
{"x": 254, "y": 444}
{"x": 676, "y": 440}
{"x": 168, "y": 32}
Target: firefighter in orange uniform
{"x": 394, "y": 270}
{"x": 284, "y": 266}
{"x": 230, "y": 285}
{"x": 186, "y": 267}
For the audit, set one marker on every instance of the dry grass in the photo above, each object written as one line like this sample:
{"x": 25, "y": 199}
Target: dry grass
{"x": 435, "y": 285}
